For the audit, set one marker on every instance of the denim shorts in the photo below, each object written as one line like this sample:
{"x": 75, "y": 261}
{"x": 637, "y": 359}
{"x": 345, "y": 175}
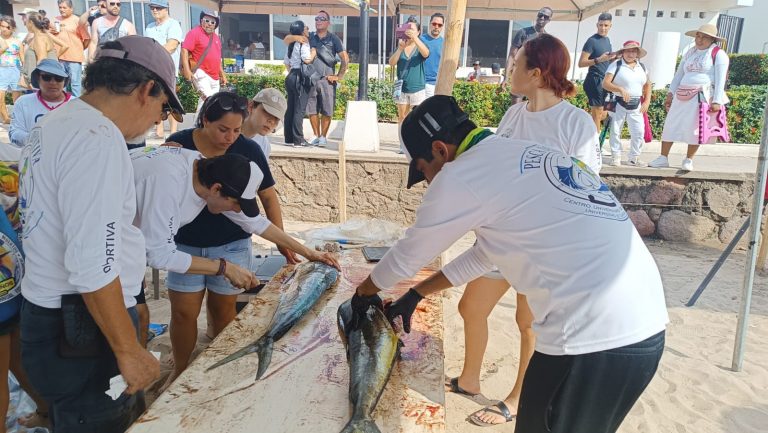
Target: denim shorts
{"x": 9, "y": 78}
{"x": 239, "y": 252}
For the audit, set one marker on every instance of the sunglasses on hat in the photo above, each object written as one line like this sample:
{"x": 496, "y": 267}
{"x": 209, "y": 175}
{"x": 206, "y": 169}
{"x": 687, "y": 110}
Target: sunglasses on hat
{"x": 48, "y": 77}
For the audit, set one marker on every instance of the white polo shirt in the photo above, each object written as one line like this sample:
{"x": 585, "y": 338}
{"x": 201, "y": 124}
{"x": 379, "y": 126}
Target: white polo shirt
{"x": 555, "y": 232}
{"x": 166, "y": 200}
{"x": 77, "y": 206}
{"x": 632, "y": 79}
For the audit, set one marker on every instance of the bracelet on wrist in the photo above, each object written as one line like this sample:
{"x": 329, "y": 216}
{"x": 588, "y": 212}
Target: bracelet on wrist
{"x": 222, "y": 267}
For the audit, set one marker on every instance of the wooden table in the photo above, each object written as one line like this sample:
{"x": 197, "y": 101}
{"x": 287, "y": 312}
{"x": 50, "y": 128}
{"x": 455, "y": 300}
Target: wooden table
{"x": 306, "y": 386}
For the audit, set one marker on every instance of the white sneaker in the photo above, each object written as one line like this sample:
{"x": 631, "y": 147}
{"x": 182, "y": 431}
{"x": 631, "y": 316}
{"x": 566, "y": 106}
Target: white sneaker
{"x": 321, "y": 142}
{"x": 660, "y": 162}
{"x": 616, "y": 161}
{"x": 635, "y": 162}
{"x": 315, "y": 141}
{"x": 687, "y": 164}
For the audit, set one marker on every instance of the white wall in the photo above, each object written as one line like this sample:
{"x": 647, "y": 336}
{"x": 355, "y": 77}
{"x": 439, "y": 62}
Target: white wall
{"x": 626, "y": 28}
{"x": 753, "y": 37}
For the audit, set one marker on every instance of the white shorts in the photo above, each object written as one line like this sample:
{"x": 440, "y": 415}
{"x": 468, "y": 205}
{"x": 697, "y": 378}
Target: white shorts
{"x": 205, "y": 85}
{"x": 429, "y": 90}
{"x": 412, "y": 99}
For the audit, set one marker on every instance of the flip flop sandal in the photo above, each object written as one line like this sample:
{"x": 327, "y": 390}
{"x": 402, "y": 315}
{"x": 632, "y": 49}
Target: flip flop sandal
{"x": 503, "y": 410}
{"x": 453, "y": 383}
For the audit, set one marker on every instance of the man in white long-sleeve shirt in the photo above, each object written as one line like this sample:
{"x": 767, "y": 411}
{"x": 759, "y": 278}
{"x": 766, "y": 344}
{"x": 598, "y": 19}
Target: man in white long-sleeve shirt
{"x": 561, "y": 238}
{"x": 50, "y": 78}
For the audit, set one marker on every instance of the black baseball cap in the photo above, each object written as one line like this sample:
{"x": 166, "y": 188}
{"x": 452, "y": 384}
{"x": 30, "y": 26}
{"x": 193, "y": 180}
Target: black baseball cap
{"x": 240, "y": 178}
{"x": 430, "y": 121}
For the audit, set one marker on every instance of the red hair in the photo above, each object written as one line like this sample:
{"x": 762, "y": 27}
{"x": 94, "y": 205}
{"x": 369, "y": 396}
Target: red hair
{"x": 551, "y": 56}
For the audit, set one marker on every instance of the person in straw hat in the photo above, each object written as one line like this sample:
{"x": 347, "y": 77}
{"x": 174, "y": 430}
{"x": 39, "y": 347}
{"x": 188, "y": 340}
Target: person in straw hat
{"x": 701, "y": 76}
{"x": 628, "y": 79}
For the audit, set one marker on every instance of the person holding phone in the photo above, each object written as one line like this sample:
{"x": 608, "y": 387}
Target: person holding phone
{"x": 595, "y": 56}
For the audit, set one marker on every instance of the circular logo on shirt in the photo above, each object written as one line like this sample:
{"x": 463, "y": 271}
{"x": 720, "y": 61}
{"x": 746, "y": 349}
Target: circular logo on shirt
{"x": 11, "y": 269}
{"x": 583, "y": 191}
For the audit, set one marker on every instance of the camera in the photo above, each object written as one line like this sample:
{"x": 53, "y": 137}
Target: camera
{"x": 400, "y": 31}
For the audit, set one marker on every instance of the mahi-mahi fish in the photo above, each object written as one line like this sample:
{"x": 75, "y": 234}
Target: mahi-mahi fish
{"x": 372, "y": 349}
{"x": 299, "y": 293}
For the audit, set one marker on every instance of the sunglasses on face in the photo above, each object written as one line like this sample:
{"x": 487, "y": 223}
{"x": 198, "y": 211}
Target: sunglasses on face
{"x": 168, "y": 111}
{"x": 209, "y": 21}
{"x": 49, "y": 77}
{"x": 115, "y": 4}
{"x": 437, "y": 24}
{"x": 156, "y": 8}
{"x": 321, "y": 19}
{"x": 543, "y": 17}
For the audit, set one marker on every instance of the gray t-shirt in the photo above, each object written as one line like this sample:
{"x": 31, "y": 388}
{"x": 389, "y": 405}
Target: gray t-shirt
{"x": 333, "y": 46}
{"x": 170, "y": 29}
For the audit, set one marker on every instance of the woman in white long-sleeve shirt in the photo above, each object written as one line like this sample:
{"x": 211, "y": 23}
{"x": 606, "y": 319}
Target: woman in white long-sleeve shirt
{"x": 703, "y": 67}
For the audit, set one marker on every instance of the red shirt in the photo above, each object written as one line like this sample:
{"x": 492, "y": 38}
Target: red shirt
{"x": 195, "y": 42}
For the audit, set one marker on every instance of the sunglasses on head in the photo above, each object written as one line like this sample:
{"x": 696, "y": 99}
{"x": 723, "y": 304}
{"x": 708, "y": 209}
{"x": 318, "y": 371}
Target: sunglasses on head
{"x": 229, "y": 103}
{"x": 543, "y": 16}
{"x": 115, "y": 4}
{"x": 49, "y": 77}
{"x": 209, "y": 21}
{"x": 168, "y": 111}
{"x": 321, "y": 19}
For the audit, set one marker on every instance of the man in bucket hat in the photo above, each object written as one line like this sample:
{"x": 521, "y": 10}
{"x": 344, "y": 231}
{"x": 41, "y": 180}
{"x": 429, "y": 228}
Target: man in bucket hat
{"x": 85, "y": 260}
{"x": 50, "y": 78}
{"x": 541, "y": 217}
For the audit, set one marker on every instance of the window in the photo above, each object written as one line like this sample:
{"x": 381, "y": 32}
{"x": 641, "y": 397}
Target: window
{"x": 618, "y": 13}
{"x": 645, "y": 13}
{"x": 281, "y": 27}
{"x": 487, "y": 42}
{"x": 353, "y": 39}
{"x": 250, "y": 32}
{"x": 673, "y": 14}
{"x": 687, "y": 14}
{"x": 702, "y": 15}
{"x": 632, "y": 12}
{"x": 659, "y": 14}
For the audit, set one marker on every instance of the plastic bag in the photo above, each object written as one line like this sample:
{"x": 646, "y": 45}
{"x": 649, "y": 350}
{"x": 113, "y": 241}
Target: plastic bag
{"x": 367, "y": 231}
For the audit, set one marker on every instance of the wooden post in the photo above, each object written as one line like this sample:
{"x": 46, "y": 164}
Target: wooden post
{"x": 763, "y": 248}
{"x": 342, "y": 182}
{"x": 446, "y": 75}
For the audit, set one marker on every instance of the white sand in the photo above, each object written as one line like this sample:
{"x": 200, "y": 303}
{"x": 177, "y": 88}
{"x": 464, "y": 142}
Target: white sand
{"x": 694, "y": 389}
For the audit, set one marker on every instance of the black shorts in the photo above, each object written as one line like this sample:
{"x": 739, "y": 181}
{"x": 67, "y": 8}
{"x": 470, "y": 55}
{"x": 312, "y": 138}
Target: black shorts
{"x": 140, "y": 298}
{"x": 593, "y": 87}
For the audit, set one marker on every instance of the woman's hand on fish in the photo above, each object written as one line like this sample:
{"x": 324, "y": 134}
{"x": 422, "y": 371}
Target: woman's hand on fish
{"x": 327, "y": 258}
{"x": 404, "y": 308}
{"x": 289, "y": 255}
{"x": 240, "y": 277}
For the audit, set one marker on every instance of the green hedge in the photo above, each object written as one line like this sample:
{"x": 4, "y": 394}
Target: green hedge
{"x": 486, "y": 104}
{"x": 745, "y": 69}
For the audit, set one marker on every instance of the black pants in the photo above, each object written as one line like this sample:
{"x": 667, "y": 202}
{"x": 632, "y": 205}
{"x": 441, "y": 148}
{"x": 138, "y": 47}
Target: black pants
{"x": 590, "y": 393}
{"x": 73, "y": 387}
{"x": 298, "y": 95}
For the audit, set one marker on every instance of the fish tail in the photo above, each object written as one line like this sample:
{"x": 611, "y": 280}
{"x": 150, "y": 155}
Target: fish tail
{"x": 239, "y": 354}
{"x": 265, "y": 355}
{"x": 364, "y": 425}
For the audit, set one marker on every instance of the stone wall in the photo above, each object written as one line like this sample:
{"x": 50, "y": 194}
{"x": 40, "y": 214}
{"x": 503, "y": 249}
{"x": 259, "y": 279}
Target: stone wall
{"x": 696, "y": 207}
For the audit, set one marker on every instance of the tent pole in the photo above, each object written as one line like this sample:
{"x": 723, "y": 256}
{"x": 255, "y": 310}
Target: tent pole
{"x": 576, "y": 49}
{"x": 754, "y": 232}
{"x": 645, "y": 25}
{"x": 362, "y": 89}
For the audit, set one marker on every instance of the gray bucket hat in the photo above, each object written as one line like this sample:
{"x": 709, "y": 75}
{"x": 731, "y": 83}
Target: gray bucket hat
{"x": 49, "y": 66}
{"x": 150, "y": 54}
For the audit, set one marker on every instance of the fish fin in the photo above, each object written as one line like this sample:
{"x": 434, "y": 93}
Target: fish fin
{"x": 361, "y": 426}
{"x": 265, "y": 356}
{"x": 251, "y": 348}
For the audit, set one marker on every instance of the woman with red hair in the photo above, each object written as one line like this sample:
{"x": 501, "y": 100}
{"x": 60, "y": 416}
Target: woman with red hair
{"x": 539, "y": 73}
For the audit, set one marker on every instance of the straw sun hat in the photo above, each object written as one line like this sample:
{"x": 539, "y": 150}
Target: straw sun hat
{"x": 633, "y": 44}
{"x": 707, "y": 29}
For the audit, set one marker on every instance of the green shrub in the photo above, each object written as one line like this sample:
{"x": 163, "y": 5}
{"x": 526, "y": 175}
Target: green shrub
{"x": 748, "y": 70}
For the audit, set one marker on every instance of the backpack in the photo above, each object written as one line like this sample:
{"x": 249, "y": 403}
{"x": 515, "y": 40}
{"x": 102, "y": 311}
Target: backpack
{"x": 112, "y": 33}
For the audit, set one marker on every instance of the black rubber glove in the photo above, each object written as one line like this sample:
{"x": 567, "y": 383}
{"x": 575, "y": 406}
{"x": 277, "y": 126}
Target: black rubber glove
{"x": 404, "y": 307}
{"x": 360, "y": 305}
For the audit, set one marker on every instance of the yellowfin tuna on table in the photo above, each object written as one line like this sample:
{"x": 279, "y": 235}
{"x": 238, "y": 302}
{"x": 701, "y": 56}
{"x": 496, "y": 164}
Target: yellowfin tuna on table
{"x": 298, "y": 294}
{"x": 372, "y": 349}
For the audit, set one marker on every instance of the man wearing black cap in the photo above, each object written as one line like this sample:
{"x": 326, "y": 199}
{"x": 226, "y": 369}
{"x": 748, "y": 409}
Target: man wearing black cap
{"x": 85, "y": 260}
{"x": 543, "y": 17}
{"x": 173, "y": 185}
{"x": 543, "y": 218}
